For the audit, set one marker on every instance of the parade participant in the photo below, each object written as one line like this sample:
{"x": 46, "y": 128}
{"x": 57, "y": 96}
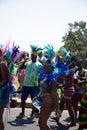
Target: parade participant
{"x": 4, "y": 77}
{"x": 67, "y": 89}
{"x": 30, "y": 83}
{"x": 41, "y": 55}
{"x": 79, "y": 80}
{"x": 11, "y": 55}
{"x": 50, "y": 99}
{"x": 67, "y": 93}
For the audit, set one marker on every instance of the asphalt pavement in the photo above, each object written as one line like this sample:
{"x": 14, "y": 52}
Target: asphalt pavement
{"x": 12, "y": 123}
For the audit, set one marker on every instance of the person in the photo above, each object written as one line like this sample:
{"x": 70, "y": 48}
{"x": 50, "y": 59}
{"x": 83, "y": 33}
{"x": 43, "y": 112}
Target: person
{"x": 21, "y": 71}
{"x": 4, "y": 78}
{"x": 67, "y": 89}
{"x": 39, "y": 57}
{"x": 82, "y": 119}
{"x": 50, "y": 100}
{"x": 30, "y": 83}
{"x": 79, "y": 85}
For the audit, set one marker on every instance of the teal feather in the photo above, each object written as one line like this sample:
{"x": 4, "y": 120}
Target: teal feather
{"x": 49, "y": 51}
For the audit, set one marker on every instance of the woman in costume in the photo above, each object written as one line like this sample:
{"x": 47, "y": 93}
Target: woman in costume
{"x": 50, "y": 100}
{"x": 67, "y": 70}
{"x": 10, "y": 55}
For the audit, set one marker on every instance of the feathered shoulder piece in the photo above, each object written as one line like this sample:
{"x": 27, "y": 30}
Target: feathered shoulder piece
{"x": 49, "y": 51}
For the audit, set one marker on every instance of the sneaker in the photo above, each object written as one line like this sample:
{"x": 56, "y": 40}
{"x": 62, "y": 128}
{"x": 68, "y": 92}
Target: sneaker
{"x": 20, "y": 116}
{"x": 36, "y": 111}
{"x": 72, "y": 124}
{"x": 31, "y": 116}
{"x": 55, "y": 119}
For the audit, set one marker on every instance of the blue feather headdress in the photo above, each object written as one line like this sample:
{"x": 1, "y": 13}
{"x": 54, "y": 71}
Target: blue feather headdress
{"x": 60, "y": 68}
{"x": 49, "y": 52}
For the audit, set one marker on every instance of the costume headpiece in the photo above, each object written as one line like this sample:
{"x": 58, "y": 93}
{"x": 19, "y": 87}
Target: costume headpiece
{"x": 68, "y": 54}
{"x": 35, "y": 49}
{"x": 49, "y": 52}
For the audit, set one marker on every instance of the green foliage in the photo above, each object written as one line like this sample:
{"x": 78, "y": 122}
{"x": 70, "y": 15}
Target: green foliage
{"x": 75, "y": 40}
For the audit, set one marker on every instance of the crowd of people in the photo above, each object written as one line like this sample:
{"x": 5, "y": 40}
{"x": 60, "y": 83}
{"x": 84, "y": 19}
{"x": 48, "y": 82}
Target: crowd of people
{"x": 40, "y": 74}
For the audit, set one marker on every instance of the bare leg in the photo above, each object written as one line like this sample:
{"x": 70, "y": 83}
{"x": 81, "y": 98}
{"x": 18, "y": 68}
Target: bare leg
{"x": 70, "y": 110}
{"x": 1, "y": 118}
{"x": 46, "y": 110}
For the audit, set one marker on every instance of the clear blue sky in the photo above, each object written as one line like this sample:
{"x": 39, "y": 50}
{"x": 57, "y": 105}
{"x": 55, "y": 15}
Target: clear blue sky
{"x": 39, "y": 21}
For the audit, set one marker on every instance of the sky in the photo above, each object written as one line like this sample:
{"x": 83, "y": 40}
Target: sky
{"x": 39, "y": 22}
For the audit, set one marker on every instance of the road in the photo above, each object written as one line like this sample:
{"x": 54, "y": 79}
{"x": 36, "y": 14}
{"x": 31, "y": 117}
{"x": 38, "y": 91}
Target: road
{"x": 12, "y": 123}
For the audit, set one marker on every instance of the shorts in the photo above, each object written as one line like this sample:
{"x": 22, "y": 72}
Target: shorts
{"x": 26, "y": 91}
{"x": 68, "y": 92}
{"x": 4, "y": 95}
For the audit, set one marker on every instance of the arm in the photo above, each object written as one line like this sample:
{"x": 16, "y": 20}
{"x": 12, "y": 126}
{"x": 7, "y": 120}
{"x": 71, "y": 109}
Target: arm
{"x": 23, "y": 65}
{"x": 4, "y": 74}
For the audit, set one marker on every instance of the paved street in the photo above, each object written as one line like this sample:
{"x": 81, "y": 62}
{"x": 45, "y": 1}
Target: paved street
{"x": 12, "y": 123}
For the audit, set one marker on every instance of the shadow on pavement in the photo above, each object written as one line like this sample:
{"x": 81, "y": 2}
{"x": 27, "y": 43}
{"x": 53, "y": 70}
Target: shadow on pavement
{"x": 59, "y": 127}
{"x": 20, "y": 122}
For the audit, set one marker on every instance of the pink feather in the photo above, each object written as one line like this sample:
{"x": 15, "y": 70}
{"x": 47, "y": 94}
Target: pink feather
{"x": 6, "y": 47}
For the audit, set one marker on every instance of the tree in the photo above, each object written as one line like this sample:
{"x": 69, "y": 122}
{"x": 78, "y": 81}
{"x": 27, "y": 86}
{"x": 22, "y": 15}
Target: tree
{"x": 75, "y": 40}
